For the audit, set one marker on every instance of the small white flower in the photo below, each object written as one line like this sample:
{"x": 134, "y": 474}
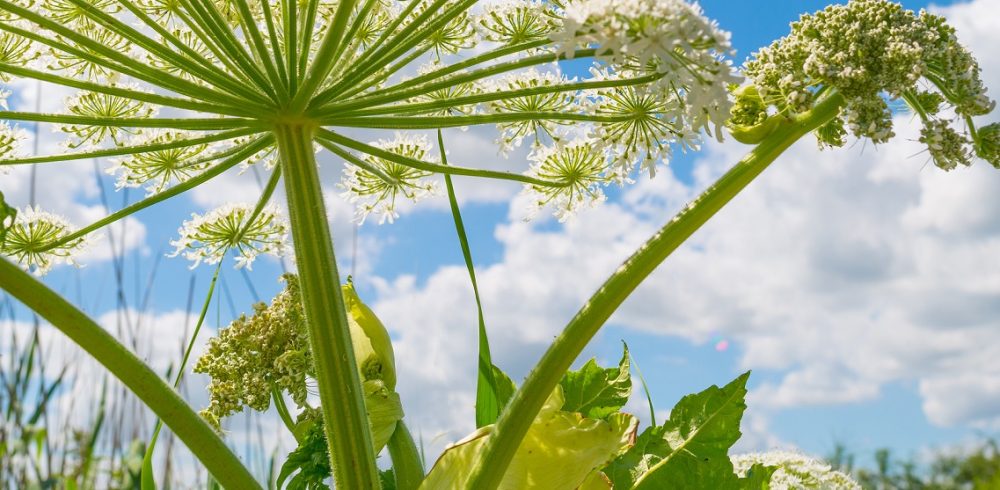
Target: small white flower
{"x": 795, "y": 471}
{"x": 29, "y": 241}
{"x": 947, "y": 147}
{"x": 207, "y": 238}
{"x": 100, "y": 105}
{"x": 513, "y": 133}
{"x": 158, "y": 169}
{"x": 577, "y": 169}
{"x": 514, "y": 22}
{"x": 371, "y": 193}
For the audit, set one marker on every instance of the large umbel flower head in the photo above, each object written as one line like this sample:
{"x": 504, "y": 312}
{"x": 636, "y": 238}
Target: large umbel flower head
{"x": 174, "y": 93}
{"x": 873, "y": 52}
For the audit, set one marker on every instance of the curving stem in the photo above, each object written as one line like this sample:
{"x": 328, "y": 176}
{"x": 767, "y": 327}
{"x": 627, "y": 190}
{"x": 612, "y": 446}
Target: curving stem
{"x": 351, "y": 453}
{"x": 513, "y": 424}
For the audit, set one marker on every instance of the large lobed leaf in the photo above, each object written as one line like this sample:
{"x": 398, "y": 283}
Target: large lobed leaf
{"x": 690, "y": 450}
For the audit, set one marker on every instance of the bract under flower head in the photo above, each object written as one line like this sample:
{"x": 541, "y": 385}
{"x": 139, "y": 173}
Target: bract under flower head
{"x": 207, "y": 238}
{"x": 29, "y": 241}
{"x": 372, "y": 193}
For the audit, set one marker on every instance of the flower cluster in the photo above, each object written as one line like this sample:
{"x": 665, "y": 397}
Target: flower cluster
{"x": 232, "y": 227}
{"x": 33, "y": 240}
{"x": 795, "y": 471}
{"x": 253, "y": 356}
{"x": 99, "y": 105}
{"x": 377, "y": 186}
{"x": 870, "y": 51}
{"x": 658, "y": 79}
{"x": 159, "y": 168}
{"x": 10, "y": 141}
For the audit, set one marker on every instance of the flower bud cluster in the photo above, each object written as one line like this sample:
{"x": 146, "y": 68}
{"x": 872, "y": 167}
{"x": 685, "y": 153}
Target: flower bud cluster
{"x": 254, "y": 356}
{"x": 232, "y": 227}
{"x": 870, "y": 52}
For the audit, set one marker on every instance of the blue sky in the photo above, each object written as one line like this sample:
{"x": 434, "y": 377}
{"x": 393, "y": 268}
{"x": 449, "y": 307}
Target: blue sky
{"x": 827, "y": 279}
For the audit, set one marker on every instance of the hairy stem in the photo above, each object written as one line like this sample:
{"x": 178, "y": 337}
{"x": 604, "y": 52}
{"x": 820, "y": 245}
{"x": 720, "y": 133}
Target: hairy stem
{"x": 346, "y": 423}
{"x": 523, "y": 407}
{"x": 166, "y": 403}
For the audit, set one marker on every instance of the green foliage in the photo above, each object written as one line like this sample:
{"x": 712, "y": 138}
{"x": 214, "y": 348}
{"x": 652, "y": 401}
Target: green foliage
{"x": 597, "y": 392}
{"x": 977, "y": 468}
{"x": 310, "y": 462}
{"x": 690, "y": 450}
{"x": 561, "y": 450}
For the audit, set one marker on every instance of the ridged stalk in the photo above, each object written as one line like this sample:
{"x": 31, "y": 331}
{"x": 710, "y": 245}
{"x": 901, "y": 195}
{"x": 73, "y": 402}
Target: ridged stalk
{"x": 349, "y": 438}
{"x": 527, "y": 401}
{"x": 148, "y": 386}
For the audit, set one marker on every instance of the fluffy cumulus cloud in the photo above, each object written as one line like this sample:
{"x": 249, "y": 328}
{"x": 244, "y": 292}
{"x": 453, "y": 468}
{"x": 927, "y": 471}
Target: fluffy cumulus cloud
{"x": 836, "y": 273}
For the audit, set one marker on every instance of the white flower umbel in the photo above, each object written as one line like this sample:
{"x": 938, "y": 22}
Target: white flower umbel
{"x": 32, "y": 238}
{"x": 207, "y": 238}
{"x": 795, "y": 471}
{"x": 580, "y": 168}
{"x": 671, "y": 38}
{"x": 158, "y": 169}
{"x": 513, "y": 22}
{"x": 99, "y": 105}
{"x": 512, "y": 134}
{"x": 10, "y": 142}
{"x": 373, "y": 193}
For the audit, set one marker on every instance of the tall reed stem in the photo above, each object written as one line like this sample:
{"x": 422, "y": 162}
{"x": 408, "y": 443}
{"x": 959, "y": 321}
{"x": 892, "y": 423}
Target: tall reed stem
{"x": 514, "y": 422}
{"x": 346, "y": 424}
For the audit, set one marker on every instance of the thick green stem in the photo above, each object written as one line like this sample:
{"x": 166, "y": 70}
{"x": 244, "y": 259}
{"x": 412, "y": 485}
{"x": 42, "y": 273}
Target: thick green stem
{"x": 523, "y": 407}
{"x": 206, "y": 445}
{"x": 346, "y": 424}
{"x": 406, "y": 464}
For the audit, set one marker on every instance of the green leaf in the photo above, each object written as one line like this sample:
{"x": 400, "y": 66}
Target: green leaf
{"x": 388, "y": 479}
{"x": 758, "y": 477}
{"x": 504, "y": 387}
{"x": 597, "y": 392}
{"x": 561, "y": 451}
{"x": 690, "y": 450}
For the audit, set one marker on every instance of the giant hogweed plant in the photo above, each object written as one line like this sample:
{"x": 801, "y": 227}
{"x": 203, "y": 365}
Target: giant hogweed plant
{"x": 177, "y": 92}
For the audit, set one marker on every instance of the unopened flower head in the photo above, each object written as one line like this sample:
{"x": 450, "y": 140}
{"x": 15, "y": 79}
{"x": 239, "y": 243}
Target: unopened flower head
{"x": 160, "y": 168}
{"x": 375, "y": 193}
{"x": 795, "y": 471}
{"x": 252, "y": 355}
{"x": 33, "y": 241}
{"x": 869, "y": 51}
{"x": 232, "y": 227}
{"x": 580, "y": 171}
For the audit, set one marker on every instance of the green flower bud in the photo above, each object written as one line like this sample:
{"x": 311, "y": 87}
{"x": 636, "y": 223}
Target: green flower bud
{"x": 372, "y": 345}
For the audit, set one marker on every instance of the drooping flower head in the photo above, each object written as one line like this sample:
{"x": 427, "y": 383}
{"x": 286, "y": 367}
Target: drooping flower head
{"x": 232, "y": 227}
{"x": 871, "y": 52}
{"x": 33, "y": 240}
